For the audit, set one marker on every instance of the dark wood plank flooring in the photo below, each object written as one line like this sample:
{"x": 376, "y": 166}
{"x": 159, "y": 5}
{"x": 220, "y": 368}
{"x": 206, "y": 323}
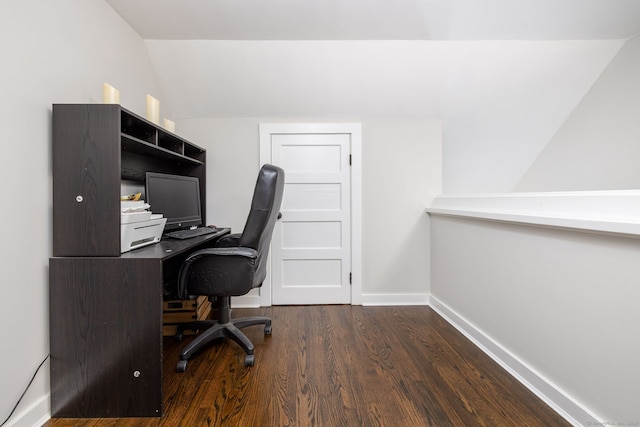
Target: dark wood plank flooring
{"x": 342, "y": 366}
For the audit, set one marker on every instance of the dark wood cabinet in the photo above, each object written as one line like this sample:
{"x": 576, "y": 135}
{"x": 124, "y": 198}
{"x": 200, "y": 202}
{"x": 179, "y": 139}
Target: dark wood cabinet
{"x": 104, "y": 360}
{"x": 106, "y": 307}
{"x": 95, "y": 147}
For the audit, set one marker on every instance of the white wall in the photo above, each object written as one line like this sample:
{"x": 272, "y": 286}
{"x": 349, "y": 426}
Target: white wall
{"x": 563, "y": 303}
{"x": 233, "y": 161}
{"x": 52, "y": 52}
{"x": 597, "y": 147}
{"x": 402, "y": 170}
{"x": 401, "y": 174}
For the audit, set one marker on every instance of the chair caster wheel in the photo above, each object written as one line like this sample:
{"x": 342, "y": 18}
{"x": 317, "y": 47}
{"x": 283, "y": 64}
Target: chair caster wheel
{"x": 267, "y": 330}
{"x": 178, "y": 336}
{"x": 182, "y": 366}
{"x": 249, "y": 360}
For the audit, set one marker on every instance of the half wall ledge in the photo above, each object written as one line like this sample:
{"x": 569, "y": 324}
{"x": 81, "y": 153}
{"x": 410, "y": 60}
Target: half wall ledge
{"x": 614, "y": 212}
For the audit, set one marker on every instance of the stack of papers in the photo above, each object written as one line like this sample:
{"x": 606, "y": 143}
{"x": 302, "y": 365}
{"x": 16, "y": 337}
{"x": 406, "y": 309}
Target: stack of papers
{"x": 134, "y": 211}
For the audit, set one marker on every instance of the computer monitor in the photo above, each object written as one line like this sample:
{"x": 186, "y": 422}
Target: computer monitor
{"x": 176, "y": 197}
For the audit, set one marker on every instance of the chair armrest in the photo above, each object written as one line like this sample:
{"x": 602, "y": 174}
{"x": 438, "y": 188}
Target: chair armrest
{"x": 228, "y": 241}
{"x": 238, "y": 251}
{"x": 218, "y": 272}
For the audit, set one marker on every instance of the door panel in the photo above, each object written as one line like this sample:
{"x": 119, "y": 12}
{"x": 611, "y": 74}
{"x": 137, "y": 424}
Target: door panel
{"x": 312, "y": 273}
{"x": 311, "y": 243}
{"x": 311, "y": 196}
{"x": 306, "y": 235}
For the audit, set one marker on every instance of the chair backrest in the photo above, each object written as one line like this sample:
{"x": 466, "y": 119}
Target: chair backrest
{"x": 265, "y": 208}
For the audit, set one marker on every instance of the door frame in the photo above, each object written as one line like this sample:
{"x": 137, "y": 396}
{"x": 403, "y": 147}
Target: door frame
{"x": 355, "y": 130}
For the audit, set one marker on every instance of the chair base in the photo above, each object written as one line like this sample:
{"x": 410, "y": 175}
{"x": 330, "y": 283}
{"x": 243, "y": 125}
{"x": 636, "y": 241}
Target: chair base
{"x": 213, "y": 329}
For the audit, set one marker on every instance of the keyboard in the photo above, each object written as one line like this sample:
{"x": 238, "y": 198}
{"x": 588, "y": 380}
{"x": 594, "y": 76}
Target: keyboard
{"x": 189, "y": 233}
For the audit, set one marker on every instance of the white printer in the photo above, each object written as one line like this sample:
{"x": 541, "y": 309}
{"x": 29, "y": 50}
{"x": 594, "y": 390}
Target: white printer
{"x": 138, "y": 226}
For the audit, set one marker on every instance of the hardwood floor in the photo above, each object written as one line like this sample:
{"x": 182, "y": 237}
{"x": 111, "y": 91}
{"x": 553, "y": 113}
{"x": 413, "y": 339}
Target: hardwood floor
{"x": 342, "y": 366}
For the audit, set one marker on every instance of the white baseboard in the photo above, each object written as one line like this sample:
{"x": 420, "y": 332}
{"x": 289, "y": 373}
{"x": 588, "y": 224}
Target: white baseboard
{"x": 34, "y": 416}
{"x": 253, "y": 301}
{"x": 553, "y": 396}
{"x": 395, "y": 299}
{"x": 246, "y": 301}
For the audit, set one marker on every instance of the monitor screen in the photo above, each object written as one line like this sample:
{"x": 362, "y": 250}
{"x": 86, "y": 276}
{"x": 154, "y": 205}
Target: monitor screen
{"x": 176, "y": 197}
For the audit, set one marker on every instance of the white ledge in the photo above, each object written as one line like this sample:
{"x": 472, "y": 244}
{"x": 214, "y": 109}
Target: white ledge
{"x": 609, "y": 212}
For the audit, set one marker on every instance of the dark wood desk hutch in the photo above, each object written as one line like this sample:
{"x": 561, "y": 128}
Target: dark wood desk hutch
{"x": 106, "y": 307}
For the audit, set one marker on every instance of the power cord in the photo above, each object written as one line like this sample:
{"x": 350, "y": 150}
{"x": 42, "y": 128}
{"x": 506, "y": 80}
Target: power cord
{"x": 25, "y": 390}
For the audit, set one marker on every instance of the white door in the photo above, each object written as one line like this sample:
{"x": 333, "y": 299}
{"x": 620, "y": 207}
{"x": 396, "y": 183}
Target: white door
{"x": 311, "y": 260}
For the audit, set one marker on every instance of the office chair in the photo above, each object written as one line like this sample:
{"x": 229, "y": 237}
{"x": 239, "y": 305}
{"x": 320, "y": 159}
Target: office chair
{"x": 236, "y": 264}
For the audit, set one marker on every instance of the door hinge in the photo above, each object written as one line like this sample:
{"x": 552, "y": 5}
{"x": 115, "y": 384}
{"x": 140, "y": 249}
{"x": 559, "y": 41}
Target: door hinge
{"x": 350, "y": 278}
{"x": 349, "y": 159}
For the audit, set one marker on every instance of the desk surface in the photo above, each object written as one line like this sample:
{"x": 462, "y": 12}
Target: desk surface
{"x": 168, "y": 247}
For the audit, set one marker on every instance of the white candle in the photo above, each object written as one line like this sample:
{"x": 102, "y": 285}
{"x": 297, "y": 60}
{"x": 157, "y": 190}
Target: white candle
{"x": 153, "y": 109}
{"x": 169, "y": 125}
{"x": 110, "y": 95}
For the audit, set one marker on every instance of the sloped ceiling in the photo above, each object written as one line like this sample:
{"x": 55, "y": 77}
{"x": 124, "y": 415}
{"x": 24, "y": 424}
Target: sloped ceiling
{"x": 221, "y": 58}
{"x": 381, "y": 19}
{"x": 503, "y": 75}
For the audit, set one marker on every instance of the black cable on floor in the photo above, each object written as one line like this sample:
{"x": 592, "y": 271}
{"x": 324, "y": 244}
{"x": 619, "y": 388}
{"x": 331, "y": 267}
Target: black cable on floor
{"x": 25, "y": 390}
